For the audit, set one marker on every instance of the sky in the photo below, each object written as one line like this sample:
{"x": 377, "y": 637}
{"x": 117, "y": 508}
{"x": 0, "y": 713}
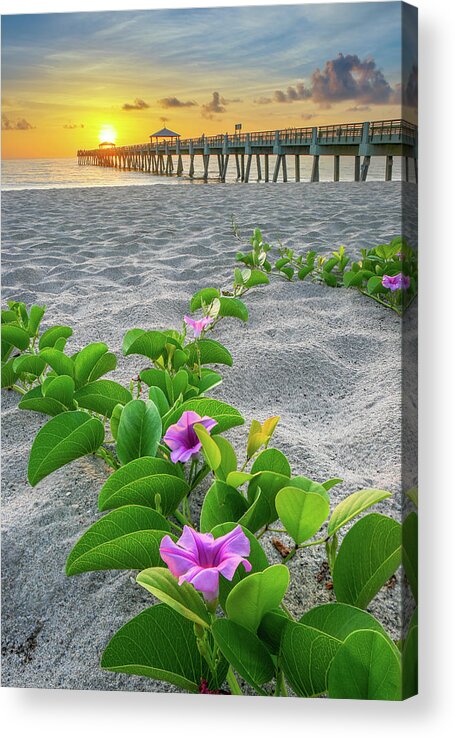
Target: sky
{"x": 71, "y": 79}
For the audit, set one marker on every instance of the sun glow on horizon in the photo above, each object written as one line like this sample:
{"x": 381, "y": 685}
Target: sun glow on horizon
{"x": 107, "y": 134}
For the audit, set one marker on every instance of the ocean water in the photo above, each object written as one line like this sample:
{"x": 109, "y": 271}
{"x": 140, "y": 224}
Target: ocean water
{"x": 22, "y": 174}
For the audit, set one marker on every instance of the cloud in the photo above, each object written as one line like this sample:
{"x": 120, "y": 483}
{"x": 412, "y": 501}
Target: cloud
{"x": 216, "y": 105}
{"x": 309, "y": 116}
{"x": 358, "y": 108}
{"x": 263, "y": 101}
{"x": 19, "y": 125}
{"x": 349, "y": 78}
{"x": 71, "y": 126}
{"x": 174, "y": 102}
{"x": 138, "y": 104}
{"x": 342, "y": 79}
{"x": 410, "y": 95}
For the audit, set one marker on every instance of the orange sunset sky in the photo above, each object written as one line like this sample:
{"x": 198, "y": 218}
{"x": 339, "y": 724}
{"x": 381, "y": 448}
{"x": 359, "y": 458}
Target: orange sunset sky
{"x": 67, "y": 76}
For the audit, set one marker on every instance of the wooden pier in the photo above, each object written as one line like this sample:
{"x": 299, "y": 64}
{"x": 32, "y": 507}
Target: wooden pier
{"x": 361, "y": 141}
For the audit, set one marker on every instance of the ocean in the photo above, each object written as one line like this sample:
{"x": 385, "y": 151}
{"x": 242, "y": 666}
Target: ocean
{"x": 23, "y": 174}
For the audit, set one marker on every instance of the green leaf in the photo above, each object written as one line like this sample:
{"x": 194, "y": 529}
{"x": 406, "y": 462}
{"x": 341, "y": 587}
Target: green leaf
{"x": 51, "y": 335}
{"x": 411, "y": 551}
{"x": 222, "y": 504}
{"x": 210, "y": 352}
{"x": 102, "y": 396}
{"x": 139, "y": 430}
{"x": 205, "y": 296}
{"x": 127, "y": 538}
{"x": 60, "y": 389}
{"x": 115, "y": 420}
{"x": 64, "y": 438}
{"x": 9, "y": 376}
{"x": 225, "y": 415}
{"x": 145, "y": 481}
{"x": 106, "y": 363}
{"x": 210, "y": 450}
{"x": 365, "y": 667}
{"x": 302, "y": 512}
{"x": 331, "y": 483}
{"x": 271, "y": 629}
{"x": 305, "y": 271}
{"x": 233, "y": 308}
{"x": 60, "y": 363}
{"x": 145, "y": 343}
{"x": 29, "y": 364}
{"x": 255, "y": 595}
{"x": 353, "y": 505}
{"x": 339, "y": 620}
{"x": 181, "y": 597}
{"x": 209, "y": 380}
{"x": 15, "y": 336}
{"x": 256, "y": 557}
{"x": 35, "y": 401}
{"x": 260, "y": 513}
{"x": 34, "y": 319}
{"x": 245, "y": 652}
{"x": 159, "y": 644}
{"x": 256, "y": 278}
{"x": 272, "y": 460}
{"x": 374, "y": 285}
{"x": 228, "y": 458}
{"x": 86, "y": 360}
{"x": 157, "y": 396}
{"x": 410, "y": 659}
{"x": 268, "y": 484}
{"x": 369, "y": 555}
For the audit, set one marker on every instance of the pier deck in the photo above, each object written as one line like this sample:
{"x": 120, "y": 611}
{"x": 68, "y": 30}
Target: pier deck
{"x": 388, "y": 138}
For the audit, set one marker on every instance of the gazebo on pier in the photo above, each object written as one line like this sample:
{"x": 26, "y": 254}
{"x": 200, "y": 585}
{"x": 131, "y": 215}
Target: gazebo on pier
{"x": 165, "y": 134}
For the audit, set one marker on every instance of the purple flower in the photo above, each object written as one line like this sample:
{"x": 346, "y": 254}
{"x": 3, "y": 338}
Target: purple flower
{"x": 181, "y": 437}
{"x": 198, "y": 325}
{"x": 398, "y": 282}
{"x": 199, "y": 558}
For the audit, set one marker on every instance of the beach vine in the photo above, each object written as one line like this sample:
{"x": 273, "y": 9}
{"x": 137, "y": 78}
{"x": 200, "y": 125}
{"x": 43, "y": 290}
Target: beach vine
{"x": 221, "y": 624}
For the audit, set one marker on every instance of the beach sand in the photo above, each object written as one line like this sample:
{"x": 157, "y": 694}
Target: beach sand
{"x": 328, "y": 361}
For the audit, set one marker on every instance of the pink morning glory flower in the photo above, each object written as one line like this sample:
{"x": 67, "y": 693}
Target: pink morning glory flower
{"x": 198, "y": 325}
{"x": 398, "y": 282}
{"x": 199, "y": 558}
{"x": 181, "y": 437}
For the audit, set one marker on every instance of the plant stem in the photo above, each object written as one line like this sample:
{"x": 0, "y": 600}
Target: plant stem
{"x": 280, "y": 688}
{"x": 234, "y": 686}
{"x": 16, "y": 388}
{"x": 182, "y": 519}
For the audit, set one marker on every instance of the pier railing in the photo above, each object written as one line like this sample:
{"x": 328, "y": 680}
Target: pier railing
{"x": 389, "y": 138}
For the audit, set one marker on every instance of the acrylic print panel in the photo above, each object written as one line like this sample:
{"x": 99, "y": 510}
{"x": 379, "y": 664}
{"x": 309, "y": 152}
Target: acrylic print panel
{"x": 209, "y": 351}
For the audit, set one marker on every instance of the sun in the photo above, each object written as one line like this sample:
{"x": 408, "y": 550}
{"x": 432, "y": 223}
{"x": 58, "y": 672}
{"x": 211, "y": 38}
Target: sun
{"x": 107, "y": 134}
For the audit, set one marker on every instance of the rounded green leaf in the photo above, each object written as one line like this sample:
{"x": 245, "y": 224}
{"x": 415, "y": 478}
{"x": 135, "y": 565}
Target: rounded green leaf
{"x": 210, "y": 450}
{"x": 9, "y": 376}
{"x": 60, "y": 389}
{"x": 369, "y": 554}
{"x": 60, "y": 362}
{"x": 34, "y": 319}
{"x": 159, "y": 644}
{"x": 49, "y": 338}
{"x": 145, "y": 343}
{"x": 222, "y": 504}
{"x": 233, "y": 308}
{"x": 257, "y": 594}
{"x": 255, "y": 278}
{"x": 181, "y": 597}
{"x": 411, "y": 551}
{"x": 106, "y": 363}
{"x": 127, "y": 538}
{"x": 30, "y": 364}
{"x": 86, "y": 360}
{"x": 225, "y": 415}
{"x": 354, "y": 505}
{"x": 205, "y": 296}
{"x": 228, "y": 458}
{"x": 243, "y": 649}
{"x": 64, "y": 438}
{"x": 306, "y": 654}
{"x": 302, "y": 513}
{"x": 102, "y": 396}
{"x": 157, "y": 396}
{"x": 35, "y": 401}
{"x": 365, "y": 667}
{"x": 15, "y": 336}
{"x": 139, "y": 430}
{"x": 208, "y": 351}
{"x": 272, "y": 460}
{"x": 146, "y": 481}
